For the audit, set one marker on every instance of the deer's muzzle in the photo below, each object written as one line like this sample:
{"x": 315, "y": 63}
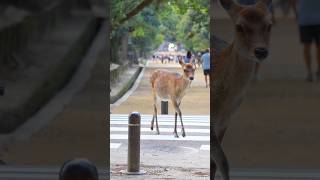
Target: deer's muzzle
{"x": 261, "y": 53}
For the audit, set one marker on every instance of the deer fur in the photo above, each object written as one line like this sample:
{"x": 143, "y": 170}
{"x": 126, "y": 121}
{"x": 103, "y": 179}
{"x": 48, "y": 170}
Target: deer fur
{"x": 233, "y": 69}
{"x": 167, "y": 85}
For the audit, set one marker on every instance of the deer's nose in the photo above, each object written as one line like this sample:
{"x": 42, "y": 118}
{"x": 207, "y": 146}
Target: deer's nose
{"x": 191, "y": 78}
{"x": 261, "y": 53}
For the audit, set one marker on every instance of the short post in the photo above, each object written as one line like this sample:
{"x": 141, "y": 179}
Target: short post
{"x": 164, "y": 107}
{"x": 134, "y": 144}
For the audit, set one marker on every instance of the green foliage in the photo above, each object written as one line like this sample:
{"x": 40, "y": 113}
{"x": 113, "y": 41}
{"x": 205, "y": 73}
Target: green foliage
{"x": 185, "y": 22}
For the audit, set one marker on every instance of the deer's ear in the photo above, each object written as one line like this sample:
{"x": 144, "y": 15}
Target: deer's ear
{"x": 231, "y": 7}
{"x": 227, "y": 4}
{"x": 265, "y": 2}
{"x": 181, "y": 62}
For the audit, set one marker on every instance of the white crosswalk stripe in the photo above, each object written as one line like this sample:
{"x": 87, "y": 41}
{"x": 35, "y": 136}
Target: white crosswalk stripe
{"x": 205, "y": 147}
{"x": 125, "y": 129}
{"x": 197, "y": 129}
{"x": 115, "y": 145}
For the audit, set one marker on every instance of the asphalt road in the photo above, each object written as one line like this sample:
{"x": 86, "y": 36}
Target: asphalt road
{"x": 164, "y": 149}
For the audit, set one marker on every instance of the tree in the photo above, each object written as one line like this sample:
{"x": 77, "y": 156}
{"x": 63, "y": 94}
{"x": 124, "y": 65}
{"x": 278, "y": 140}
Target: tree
{"x": 150, "y": 22}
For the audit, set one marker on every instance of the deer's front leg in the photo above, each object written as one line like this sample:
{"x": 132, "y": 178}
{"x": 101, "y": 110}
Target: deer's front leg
{"x": 175, "y": 125}
{"x": 219, "y": 137}
{"x": 219, "y": 159}
{"x": 174, "y": 103}
{"x": 177, "y": 108}
{"x": 182, "y": 127}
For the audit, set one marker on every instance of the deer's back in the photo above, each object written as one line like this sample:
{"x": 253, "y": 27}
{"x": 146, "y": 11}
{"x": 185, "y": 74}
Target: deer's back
{"x": 166, "y": 83}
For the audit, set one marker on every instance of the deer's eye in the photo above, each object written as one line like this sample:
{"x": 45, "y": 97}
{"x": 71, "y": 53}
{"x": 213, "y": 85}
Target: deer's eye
{"x": 239, "y": 28}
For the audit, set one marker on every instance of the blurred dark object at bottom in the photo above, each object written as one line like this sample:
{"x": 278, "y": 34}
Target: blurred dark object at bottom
{"x": 78, "y": 169}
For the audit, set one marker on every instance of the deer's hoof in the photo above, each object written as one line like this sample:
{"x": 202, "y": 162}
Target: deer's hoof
{"x": 151, "y": 128}
{"x": 158, "y": 132}
{"x": 183, "y": 133}
{"x": 176, "y": 135}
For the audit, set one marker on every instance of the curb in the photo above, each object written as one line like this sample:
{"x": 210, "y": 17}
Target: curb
{"x": 129, "y": 85}
{"x": 13, "y": 118}
{"x": 48, "y": 112}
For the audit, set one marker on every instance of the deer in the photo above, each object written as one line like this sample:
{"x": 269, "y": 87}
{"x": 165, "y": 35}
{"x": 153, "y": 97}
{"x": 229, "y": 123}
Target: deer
{"x": 233, "y": 70}
{"x": 167, "y": 85}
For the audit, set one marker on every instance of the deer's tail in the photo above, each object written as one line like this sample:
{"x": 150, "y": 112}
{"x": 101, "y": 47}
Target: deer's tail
{"x": 219, "y": 158}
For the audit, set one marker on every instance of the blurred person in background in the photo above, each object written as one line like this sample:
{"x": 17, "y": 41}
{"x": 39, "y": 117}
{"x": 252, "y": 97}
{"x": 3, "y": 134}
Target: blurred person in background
{"x": 307, "y": 13}
{"x": 187, "y": 59}
{"x": 205, "y": 58}
{"x": 252, "y": 2}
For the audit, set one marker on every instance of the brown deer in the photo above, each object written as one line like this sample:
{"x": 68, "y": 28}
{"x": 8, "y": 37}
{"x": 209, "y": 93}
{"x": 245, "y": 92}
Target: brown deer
{"x": 171, "y": 86}
{"x": 233, "y": 69}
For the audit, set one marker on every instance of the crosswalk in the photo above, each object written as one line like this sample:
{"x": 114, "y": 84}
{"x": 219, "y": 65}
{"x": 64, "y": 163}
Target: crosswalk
{"x": 197, "y": 129}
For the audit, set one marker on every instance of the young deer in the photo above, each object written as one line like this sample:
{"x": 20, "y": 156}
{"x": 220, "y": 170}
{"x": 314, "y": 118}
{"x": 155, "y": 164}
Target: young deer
{"x": 171, "y": 86}
{"x": 233, "y": 69}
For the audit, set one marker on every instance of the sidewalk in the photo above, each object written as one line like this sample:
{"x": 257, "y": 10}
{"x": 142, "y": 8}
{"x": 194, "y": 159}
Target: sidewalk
{"x": 46, "y": 65}
{"x": 76, "y": 124}
{"x": 157, "y": 172}
{"x": 123, "y": 83}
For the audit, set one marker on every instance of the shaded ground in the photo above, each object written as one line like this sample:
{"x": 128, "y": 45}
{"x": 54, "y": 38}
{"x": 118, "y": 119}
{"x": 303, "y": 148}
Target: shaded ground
{"x": 162, "y": 173}
{"x": 195, "y": 102}
{"x": 78, "y": 131}
{"x": 278, "y": 123}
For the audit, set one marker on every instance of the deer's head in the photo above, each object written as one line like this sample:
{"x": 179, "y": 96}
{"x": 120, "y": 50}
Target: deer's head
{"x": 188, "y": 70}
{"x": 253, "y": 26}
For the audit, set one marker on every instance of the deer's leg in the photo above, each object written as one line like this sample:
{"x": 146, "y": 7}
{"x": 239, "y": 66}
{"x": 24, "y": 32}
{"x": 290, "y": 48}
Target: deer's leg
{"x": 174, "y": 103}
{"x": 154, "y": 109}
{"x": 157, "y": 126}
{"x": 219, "y": 135}
{"x": 177, "y": 108}
{"x": 175, "y": 125}
{"x": 220, "y": 158}
{"x": 155, "y": 113}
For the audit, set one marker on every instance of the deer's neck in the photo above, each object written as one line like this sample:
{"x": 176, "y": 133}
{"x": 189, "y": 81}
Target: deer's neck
{"x": 238, "y": 65}
{"x": 184, "y": 82}
{"x": 180, "y": 86}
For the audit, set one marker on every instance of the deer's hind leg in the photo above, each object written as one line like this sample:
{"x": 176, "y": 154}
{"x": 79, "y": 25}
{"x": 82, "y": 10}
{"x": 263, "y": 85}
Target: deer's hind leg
{"x": 155, "y": 113}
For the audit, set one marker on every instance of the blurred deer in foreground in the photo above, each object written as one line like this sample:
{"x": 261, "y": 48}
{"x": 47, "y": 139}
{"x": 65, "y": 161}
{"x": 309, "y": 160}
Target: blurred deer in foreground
{"x": 233, "y": 69}
{"x": 171, "y": 86}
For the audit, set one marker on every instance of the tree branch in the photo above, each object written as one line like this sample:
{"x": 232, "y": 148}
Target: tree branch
{"x": 132, "y": 13}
